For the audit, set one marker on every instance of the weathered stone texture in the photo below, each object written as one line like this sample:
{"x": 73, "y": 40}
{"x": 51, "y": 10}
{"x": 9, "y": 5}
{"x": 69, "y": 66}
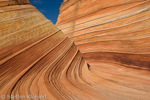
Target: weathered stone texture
{"x": 114, "y": 39}
{"x": 37, "y": 58}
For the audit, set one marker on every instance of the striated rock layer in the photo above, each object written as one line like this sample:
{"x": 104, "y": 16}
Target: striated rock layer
{"x": 38, "y": 61}
{"x": 114, "y": 39}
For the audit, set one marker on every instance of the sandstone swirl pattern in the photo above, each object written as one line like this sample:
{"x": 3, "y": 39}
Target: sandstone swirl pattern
{"x": 114, "y": 39}
{"x": 37, "y": 59}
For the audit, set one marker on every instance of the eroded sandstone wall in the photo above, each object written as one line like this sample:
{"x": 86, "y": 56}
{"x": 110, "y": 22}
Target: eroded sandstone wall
{"x": 114, "y": 38}
{"x": 36, "y": 58}
{"x": 13, "y": 2}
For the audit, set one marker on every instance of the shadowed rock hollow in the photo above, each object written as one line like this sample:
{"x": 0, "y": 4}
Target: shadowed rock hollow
{"x": 37, "y": 58}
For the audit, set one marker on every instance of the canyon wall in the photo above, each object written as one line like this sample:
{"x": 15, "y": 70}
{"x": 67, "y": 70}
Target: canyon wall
{"x": 39, "y": 62}
{"x": 114, "y": 39}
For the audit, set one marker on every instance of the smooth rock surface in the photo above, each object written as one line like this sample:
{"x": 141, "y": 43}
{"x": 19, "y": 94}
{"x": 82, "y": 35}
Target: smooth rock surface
{"x": 114, "y": 39}
{"x": 37, "y": 61}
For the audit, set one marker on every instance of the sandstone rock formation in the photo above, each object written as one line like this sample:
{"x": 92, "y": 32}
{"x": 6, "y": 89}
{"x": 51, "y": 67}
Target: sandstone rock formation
{"x": 114, "y": 39}
{"x": 36, "y": 58}
{"x": 39, "y": 62}
{"x": 13, "y": 2}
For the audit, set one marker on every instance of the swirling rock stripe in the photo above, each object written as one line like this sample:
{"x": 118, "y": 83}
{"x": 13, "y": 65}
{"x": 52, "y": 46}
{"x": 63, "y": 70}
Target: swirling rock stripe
{"x": 114, "y": 39}
{"x": 37, "y": 59}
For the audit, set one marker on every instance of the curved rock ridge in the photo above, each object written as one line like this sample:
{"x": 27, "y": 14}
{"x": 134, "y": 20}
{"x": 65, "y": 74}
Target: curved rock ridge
{"x": 38, "y": 61}
{"x": 114, "y": 39}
